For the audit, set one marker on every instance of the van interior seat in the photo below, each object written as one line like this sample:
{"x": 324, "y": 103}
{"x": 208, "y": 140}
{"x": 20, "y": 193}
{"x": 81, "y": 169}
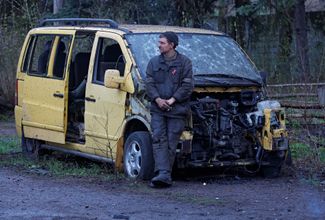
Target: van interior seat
{"x": 111, "y": 59}
{"x": 77, "y": 93}
{"x": 81, "y": 65}
{"x": 112, "y": 53}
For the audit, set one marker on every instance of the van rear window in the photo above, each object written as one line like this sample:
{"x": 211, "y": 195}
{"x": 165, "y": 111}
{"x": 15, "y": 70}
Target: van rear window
{"x": 41, "y": 48}
{"x": 28, "y": 54}
{"x": 41, "y": 55}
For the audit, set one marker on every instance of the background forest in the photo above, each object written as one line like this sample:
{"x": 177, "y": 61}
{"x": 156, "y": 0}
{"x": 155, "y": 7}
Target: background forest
{"x": 283, "y": 37}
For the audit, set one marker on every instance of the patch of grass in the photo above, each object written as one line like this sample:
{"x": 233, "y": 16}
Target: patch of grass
{"x": 64, "y": 168}
{"x": 322, "y": 155}
{"x": 311, "y": 181}
{"x": 17, "y": 161}
{"x": 51, "y": 165}
{"x": 293, "y": 123}
{"x": 309, "y": 161}
{"x": 54, "y": 164}
{"x": 301, "y": 151}
{"x": 6, "y": 117}
{"x": 9, "y": 144}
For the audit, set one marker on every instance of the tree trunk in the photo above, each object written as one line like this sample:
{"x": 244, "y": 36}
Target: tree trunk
{"x": 57, "y": 5}
{"x": 285, "y": 39}
{"x": 242, "y": 24}
{"x": 300, "y": 26}
{"x": 222, "y": 20}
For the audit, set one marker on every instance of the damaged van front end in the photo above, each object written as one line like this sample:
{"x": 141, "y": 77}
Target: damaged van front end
{"x": 231, "y": 123}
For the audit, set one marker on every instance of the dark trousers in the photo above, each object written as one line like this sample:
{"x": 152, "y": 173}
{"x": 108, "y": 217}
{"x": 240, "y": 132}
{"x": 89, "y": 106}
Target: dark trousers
{"x": 166, "y": 132}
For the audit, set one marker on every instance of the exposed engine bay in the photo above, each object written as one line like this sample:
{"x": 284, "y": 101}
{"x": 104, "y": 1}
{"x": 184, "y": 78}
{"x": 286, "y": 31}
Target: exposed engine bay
{"x": 229, "y": 126}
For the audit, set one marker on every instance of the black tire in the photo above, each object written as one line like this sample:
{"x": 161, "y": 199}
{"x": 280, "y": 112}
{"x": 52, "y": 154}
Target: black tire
{"x": 30, "y": 147}
{"x": 138, "y": 162}
{"x": 275, "y": 160}
{"x": 271, "y": 172}
{"x": 288, "y": 159}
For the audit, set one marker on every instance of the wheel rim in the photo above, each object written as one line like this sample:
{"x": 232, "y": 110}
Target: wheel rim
{"x": 133, "y": 159}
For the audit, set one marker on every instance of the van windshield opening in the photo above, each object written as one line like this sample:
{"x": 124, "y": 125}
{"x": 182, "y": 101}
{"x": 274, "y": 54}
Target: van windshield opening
{"x": 210, "y": 54}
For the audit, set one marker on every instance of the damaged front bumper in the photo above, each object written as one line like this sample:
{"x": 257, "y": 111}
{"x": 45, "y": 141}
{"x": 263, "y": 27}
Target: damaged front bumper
{"x": 274, "y": 135}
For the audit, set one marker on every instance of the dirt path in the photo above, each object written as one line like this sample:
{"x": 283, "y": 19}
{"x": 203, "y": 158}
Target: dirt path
{"x": 25, "y": 195}
{"x": 30, "y": 196}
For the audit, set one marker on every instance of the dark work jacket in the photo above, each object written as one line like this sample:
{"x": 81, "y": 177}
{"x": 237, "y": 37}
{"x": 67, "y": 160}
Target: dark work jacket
{"x": 166, "y": 81}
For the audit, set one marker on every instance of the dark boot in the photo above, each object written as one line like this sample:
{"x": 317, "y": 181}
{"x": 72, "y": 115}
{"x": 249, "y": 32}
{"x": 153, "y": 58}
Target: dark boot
{"x": 163, "y": 179}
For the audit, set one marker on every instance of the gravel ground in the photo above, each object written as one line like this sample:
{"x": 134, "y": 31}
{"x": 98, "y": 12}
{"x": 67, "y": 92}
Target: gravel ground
{"x": 28, "y": 195}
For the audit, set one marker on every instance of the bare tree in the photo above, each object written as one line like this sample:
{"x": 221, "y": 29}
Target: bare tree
{"x": 300, "y": 30}
{"x": 57, "y": 5}
{"x": 193, "y": 12}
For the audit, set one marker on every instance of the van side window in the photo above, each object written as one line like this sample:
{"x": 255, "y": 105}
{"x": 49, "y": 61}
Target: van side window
{"x": 41, "y": 54}
{"x": 81, "y": 51}
{"x": 109, "y": 56}
{"x": 45, "y": 46}
{"x": 61, "y": 56}
{"x": 28, "y": 54}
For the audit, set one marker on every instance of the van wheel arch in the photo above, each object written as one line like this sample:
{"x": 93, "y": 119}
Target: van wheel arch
{"x": 135, "y": 124}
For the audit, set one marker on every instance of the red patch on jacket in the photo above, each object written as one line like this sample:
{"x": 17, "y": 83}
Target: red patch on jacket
{"x": 174, "y": 71}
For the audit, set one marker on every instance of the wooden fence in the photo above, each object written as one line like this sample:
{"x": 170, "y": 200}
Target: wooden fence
{"x": 309, "y": 98}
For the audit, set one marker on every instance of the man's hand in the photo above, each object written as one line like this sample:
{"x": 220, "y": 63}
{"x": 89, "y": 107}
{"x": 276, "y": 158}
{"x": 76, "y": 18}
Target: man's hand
{"x": 162, "y": 103}
{"x": 171, "y": 101}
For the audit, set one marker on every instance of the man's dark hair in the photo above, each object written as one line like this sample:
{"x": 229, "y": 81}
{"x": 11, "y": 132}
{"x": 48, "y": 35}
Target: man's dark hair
{"x": 171, "y": 37}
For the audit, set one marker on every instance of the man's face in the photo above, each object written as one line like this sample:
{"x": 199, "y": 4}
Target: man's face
{"x": 164, "y": 46}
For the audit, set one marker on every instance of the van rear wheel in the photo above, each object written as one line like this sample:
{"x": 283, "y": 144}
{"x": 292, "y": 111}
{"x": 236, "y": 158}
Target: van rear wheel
{"x": 138, "y": 160}
{"x": 30, "y": 147}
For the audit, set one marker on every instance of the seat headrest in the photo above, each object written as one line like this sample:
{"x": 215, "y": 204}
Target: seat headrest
{"x": 81, "y": 63}
{"x": 61, "y": 47}
{"x": 112, "y": 53}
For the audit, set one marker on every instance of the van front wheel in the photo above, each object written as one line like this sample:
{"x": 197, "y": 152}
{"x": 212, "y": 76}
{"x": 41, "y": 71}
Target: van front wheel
{"x": 275, "y": 160}
{"x": 138, "y": 160}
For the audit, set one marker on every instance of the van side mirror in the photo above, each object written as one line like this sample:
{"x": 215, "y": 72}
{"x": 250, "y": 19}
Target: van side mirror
{"x": 264, "y": 76}
{"x": 112, "y": 78}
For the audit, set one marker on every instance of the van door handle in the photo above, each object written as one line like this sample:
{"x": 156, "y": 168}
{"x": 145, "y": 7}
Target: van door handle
{"x": 88, "y": 99}
{"x": 58, "y": 95}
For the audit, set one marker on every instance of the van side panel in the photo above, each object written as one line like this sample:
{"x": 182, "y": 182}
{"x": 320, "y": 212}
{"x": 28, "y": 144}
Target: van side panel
{"x": 18, "y": 118}
{"x": 104, "y": 119}
{"x": 43, "y": 112}
{"x": 44, "y": 98}
{"x": 20, "y": 86}
{"x": 105, "y": 115}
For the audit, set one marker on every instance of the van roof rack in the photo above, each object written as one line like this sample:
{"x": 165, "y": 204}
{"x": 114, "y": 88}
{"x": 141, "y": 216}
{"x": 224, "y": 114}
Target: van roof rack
{"x": 76, "y": 21}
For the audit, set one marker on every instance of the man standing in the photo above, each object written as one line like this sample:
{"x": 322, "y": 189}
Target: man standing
{"x": 169, "y": 85}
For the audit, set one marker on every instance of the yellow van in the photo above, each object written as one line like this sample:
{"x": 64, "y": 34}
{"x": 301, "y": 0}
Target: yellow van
{"x": 80, "y": 89}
